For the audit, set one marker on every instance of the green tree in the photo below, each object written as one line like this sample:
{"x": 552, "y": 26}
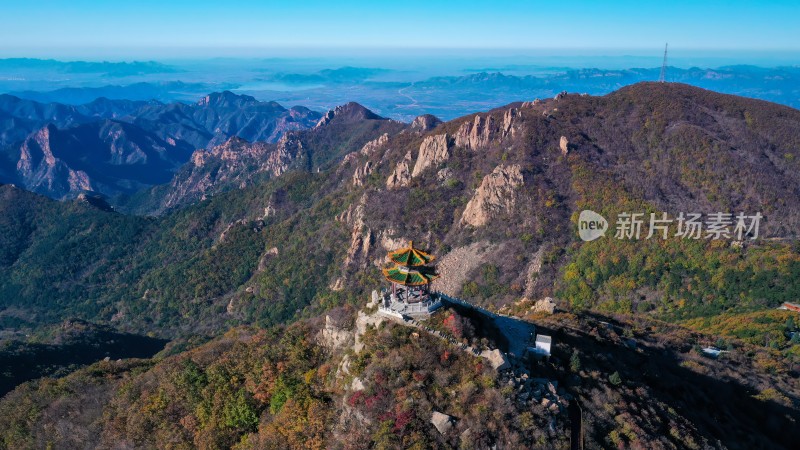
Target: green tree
{"x": 615, "y": 379}
{"x": 575, "y": 362}
{"x": 240, "y": 413}
{"x": 284, "y": 390}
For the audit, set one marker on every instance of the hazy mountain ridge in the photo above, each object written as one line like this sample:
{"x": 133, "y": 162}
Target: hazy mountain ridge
{"x": 21, "y": 116}
{"x": 78, "y": 148}
{"x": 166, "y": 92}
{"x": 402, "y": 95}
{"x": 219, "y": 116}
{"x": 119, "y": 69}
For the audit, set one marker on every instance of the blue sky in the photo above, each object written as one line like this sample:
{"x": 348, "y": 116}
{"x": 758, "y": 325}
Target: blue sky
{"x": 56, "y": 28}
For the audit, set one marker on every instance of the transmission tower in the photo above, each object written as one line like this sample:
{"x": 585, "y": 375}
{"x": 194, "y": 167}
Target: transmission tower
{"x": 663, "y": 77}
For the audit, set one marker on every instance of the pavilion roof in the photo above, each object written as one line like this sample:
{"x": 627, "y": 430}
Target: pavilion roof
{"x": 410, "y": 256}
{"x": 412, "y": 277}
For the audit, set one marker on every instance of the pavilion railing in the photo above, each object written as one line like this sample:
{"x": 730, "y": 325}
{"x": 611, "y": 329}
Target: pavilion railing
{"x": 428, "y": 306}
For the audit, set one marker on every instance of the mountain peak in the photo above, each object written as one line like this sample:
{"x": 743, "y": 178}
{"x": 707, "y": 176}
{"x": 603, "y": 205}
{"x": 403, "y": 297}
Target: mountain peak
{"x": 226, "y": 98}
{"x": 348, "y": 113}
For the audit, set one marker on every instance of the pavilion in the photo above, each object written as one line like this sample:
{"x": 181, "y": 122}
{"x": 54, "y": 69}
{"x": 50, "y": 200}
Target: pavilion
{"x": 410, "y": 277}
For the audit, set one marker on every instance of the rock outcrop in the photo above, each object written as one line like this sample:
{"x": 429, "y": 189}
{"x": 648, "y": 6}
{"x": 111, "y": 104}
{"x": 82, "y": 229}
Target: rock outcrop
{"x": 360, "y": 244}
{"x": 475, "y": 134}
{"x": 547, "y": 305}
{"x": 433, "y": 151}
{"x": 483, "y": 130}
{"x": 334, "y": 336}
{"x": 268, "y": 255}
{"x": 425, "y": 122}
{"x": 442, "y": 422}
{"x": 353, "y": 216}
{"x": 533, "y": 269}
{"x": 363, "y": 322}
{"x": 375, "y": 144}
{"x": 508, "y": 121}
{"x": 232, "y": 163}
{"x": 495, "y": 194}
{"x": 361, "y": 240}
{"x": 401, "y": 176}
{"x": 361, "y": 173}
{"x": 563, "y": 144}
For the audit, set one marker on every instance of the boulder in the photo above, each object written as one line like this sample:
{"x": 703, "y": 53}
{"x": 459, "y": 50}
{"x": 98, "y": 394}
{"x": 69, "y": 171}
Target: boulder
{"x": 444, "y": 175}
{"x": 497, "y": 359}
{"x": 547, "y": 304}
{"x": 357, "y": 384}
{"x": 564, "y": 145}
{"x": 442, "y": 422}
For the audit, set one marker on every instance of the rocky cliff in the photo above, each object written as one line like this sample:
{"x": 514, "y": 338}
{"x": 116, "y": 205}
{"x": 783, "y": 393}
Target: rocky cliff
{"x": 433, "y": 151}
{"x": 494, "y": 196}
{"x": 108, "y": 156}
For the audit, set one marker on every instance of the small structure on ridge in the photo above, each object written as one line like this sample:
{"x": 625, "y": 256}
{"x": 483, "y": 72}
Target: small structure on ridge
{"x": 410, "y": 277}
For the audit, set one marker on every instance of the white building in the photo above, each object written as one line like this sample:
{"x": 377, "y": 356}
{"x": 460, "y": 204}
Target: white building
{"x": 542, "y": 346}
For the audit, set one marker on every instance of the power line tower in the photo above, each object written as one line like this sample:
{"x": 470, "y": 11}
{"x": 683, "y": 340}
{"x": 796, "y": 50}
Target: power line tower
{"x": 663, "y": 77}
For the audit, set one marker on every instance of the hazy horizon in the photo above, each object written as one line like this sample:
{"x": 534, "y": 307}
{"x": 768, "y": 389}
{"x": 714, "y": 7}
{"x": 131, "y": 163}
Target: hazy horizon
{"x": 587, "y": 57}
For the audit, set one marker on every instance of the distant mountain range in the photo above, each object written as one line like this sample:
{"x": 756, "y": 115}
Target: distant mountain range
{"x": 144, "y": 91}
{"x": 117, "y": 69}
{"x": 117, "y": 147}
{"x": 393, "y": 93}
